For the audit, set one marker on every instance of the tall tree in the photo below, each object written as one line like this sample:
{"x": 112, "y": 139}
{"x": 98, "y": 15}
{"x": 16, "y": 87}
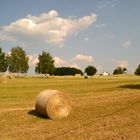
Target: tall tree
{"x": 3, "y": 61}
{"x": 18, "y": 61}
{"x": 45, "y": 64}
{"x": 120, "y": 70}
{"x": 90, "y": 70}
{"x": 137, "y": 71}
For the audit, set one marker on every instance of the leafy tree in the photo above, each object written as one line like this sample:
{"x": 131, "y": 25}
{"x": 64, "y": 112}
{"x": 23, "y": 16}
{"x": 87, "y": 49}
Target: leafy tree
{"x": 90, "y": 70}
{"x": 120, "y": 70}
{"x": 45, "y": 64}
{"x": 67, "y": 71}
{"x": 3, "y": 61}
{"x": 18, "y": 61}
{"x": 137, "y": 71}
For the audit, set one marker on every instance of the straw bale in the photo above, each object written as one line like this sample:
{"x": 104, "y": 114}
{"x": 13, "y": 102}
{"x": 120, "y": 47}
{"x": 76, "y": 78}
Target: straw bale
{"x": 53, "y": 104}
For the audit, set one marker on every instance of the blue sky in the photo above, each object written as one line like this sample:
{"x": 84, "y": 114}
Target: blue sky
{"x": 103, "y": 33}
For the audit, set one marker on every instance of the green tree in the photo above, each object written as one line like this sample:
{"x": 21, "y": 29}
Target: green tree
{"x": 120, "y": 70}
{"x": 45, "y": 64}
{"x": 3, "y": 61}
{"x": 90, "y": 70}
{"x": 67, "y": 71}
{"x": 18, "y": 61}
{"x": 137, "y": 71}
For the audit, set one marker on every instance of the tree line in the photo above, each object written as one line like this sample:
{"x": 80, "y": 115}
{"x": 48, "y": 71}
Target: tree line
{"x": 17, "y": 61}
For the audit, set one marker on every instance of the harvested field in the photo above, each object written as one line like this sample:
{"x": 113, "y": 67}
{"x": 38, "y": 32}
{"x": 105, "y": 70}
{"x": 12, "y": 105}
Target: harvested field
{"x": 103, "y": 108}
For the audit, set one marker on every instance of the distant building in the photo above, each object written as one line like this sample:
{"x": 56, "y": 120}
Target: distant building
{"x": 97, "y": 75}
{"x": 105, "y": 73}
{"x": 43, "y": 75}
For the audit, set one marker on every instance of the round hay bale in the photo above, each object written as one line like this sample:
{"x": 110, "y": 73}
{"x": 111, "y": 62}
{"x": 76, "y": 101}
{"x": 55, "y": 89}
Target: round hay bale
{"x": 3, "y": 79}
{"x": 53, "y": 104}
{"x": 10, "y": 77}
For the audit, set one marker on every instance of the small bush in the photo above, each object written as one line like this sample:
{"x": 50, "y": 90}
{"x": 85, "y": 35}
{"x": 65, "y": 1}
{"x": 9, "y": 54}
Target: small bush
{"x": 137, "y": 71}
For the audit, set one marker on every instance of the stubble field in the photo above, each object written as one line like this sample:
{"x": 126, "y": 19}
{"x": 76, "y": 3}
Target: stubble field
{"x": 103, "y": 108}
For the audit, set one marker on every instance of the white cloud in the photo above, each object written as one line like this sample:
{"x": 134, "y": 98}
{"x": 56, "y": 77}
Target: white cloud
{"x": 5, "y": 37}
{"x": 60, "y": 62}
{"x": 74, "y": 65}
{"x": 30, "y": 57}
{"x": 100, "y": 25}
{"x": 83, "y": 58}
{"x": 33, "y": 59}
{"x": 47, "y": 27}
{"x": 121, "y": 63}
{"x": 127, "y": 44}
{"x": 99, "y": 68}
{"x": 106, "y": 3}
{"x": 103, "y": 4}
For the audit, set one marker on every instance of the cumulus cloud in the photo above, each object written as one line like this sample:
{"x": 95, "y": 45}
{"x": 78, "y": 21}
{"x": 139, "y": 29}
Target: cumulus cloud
{"x": 83, "y": 58}
{"x": 127, "y": 44}
{"x": 60, "y": 62}
{"x": 74, "y": 65}
{"x": 121, "y": 63}
{"x": 47, "y": 27}
{"x": 33, "y": 59}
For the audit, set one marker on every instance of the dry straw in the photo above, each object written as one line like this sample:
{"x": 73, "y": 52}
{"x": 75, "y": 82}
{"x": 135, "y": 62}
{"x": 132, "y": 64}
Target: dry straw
{"x": 53, "y": 104}
{"x": 4, "y": 78}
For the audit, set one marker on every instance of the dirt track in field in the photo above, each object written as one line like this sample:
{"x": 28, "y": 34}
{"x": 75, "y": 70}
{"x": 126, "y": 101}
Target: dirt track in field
{"x": 15, "y": 109}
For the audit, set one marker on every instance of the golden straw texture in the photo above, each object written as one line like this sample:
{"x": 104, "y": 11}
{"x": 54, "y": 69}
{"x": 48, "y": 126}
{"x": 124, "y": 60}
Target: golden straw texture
{"x": 53, "y": 103}
{"x": 3, "y": 79}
